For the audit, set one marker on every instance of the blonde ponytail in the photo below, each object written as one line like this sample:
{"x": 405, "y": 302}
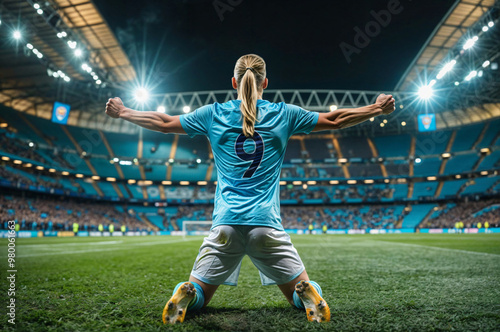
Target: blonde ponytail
{"x": 250, "y": 72}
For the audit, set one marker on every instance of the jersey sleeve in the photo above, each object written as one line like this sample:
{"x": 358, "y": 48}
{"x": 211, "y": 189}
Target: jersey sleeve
{"x": 197, "y": 122}
{"x": 301, "y": 121}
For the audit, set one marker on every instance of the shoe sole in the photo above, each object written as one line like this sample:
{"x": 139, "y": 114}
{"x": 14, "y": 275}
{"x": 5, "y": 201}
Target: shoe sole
{"x": 317, "y": 309}
{"x": 175, "y": 309}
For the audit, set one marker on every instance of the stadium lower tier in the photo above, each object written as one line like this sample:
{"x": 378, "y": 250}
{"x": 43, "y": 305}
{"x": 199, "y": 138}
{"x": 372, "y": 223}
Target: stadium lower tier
{"x": 59, "y": 213}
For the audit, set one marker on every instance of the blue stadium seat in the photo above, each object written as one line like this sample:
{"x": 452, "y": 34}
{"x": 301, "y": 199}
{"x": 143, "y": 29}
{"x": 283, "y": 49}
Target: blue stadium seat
{"x": 432, "y": 143}
{"x": 393, "y": 146}
{"x": 424, "y": 189}
{"x": 491, "y": 161}
{"x": 481, "y": 185}
{"x": 466, "y": 136}
{"x": 416, "y": 215}
{"x": 186, "y": 173}
{"x": 427, "y": 167}
{"x": 318, "y": 148}
{"x": 461, "y": 163}
{"x": 355, "y": 147}
{"x": 490, "y": 134}
{"x": 450, "y": 188}
{"x": 123, "y": 145}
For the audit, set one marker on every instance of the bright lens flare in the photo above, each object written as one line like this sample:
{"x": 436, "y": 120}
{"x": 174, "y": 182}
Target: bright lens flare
{"x": 141, "y": 95}
{"x": 425, "y": 92}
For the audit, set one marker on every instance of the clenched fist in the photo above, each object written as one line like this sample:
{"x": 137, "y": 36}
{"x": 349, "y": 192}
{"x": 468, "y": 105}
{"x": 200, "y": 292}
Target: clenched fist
{"x": 114, "y": 107}
{"x": 386, "y": 103}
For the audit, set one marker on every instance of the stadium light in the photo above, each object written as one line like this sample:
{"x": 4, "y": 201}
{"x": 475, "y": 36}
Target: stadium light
{"x": 470, "y": 42}
{"x": 418, "y": 160}
{"x": 171, "y": 160}
{"x": 131, "y": 181}
{"x": 457, "y": 83}
{"x": 471, "y": 75}
{"x": 98, "y": 82}
{"x": 202, "y": 183}
{"x": 446, "y": 155}
{"x": 79, "y": 176}
{"x": 334, "y": 182}
{"x": 29, "y": 46}
{"x": 333, "y": 108}
{"x": 486, "y": 64}
{"x": 18, "y": 162}
{"x": 4, "y": 125}
{"x": 385, "y": 121}
{"x": 141, "y": 95}
{"x": 96, "y": 177}
{"x": 484, "y": 173}
{"x": 297, "y": 183}
{"x": 52, "y": 170}
{"x": 166, "y": 183}
{"x": 65, "y": 173}
{"x": 198, "y": 160}
{"x": 110, "y": 179}
{"x": 186, "y": 109}
{"x": 39, "y": 11}
{"x": 17, "y": 34}
{"x": 425, "y": 92}
{"x": 372, "y": 119}
{"x": 31, "y": 144}
{"x": 66, "y": 79}
{"x": 485, "y": 28}
{"x": 304, "y": 186}
{"x": 343, "y": 160}
{"x": 40, "y": 168}
{"x": 480, "y": 73}
{"x": 352, "y": 181}
{"x": 491, "y": 24}
{"x": 115, "y": 159}
{"x": 28, "y": 165}
{"x": 382, "y": 124}
{"x": 485, "y": 150}
{"x": 403, "y": 123}
{"x": 161, "y": 109}
{"x": 447, "y": 67}
{"x": 72, "y": 44}
{"x": 311, "y": 183}
{"x": 184, "y": 183}
{"x": 282, "y": 183}
{"x": 78, "y": 52}
{"x": 431, "y": 178}
{"x": 369, "y": 181}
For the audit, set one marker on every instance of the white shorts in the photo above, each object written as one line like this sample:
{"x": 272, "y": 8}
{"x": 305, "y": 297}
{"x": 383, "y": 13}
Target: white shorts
{"x": 271, "y": 251}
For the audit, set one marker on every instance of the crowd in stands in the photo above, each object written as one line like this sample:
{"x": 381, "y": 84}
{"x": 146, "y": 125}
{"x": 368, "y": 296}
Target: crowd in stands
{"x": 51, "y": 214}
{"x": 467, "y": 212}
{"x": 339, "y": 193}
{"x": 13, "y": 145}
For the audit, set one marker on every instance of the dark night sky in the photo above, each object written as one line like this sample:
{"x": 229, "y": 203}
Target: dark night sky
{"x": 298, "y": 39}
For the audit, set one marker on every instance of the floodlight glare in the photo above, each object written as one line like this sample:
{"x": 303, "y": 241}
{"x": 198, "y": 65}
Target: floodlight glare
{"x": 425, "y": 92}
{"x": 446, "y": 69}
{"x": 471, "y": 75}
{"x": 470, "y": 42}
{"x": 161, "y": 109}
{"x": 141, "y": 95}
{"x": 17, "y": 34}
{"x": 186, "y": 109}
{"x": 431, "y": 83}
{"x": 78, "y": 52}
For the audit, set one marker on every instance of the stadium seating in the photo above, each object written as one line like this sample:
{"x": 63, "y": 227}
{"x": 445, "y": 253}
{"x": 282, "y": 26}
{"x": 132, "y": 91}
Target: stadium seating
{"x": 417, "y": 215}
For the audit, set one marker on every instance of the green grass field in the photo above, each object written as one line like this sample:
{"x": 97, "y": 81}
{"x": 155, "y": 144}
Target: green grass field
{"x": 412, "y": 282}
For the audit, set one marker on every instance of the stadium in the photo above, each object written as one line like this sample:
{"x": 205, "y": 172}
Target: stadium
{"x": 398, "y": 217}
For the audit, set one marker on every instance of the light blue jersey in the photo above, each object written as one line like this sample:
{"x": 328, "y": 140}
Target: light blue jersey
{"x": 248, "y": 169}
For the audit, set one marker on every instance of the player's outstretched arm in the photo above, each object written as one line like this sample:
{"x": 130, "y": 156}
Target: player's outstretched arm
{"x": 150, "y": 120}
{"x": 343, "y": 118}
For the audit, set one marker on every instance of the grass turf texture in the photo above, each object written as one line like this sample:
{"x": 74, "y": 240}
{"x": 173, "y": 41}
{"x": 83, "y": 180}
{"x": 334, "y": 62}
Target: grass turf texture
{"x": 371, "y": 282}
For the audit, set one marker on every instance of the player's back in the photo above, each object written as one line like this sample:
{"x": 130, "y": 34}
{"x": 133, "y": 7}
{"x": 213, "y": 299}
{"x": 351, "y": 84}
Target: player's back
{"x": 248, "y": 168}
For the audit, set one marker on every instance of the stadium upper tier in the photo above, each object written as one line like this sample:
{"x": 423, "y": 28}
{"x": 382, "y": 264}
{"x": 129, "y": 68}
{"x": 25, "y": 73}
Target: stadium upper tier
{"x": 39, "y": 153}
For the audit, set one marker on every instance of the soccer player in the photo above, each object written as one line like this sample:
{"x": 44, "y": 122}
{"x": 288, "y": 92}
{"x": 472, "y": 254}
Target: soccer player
{"x": 248, "y": 137}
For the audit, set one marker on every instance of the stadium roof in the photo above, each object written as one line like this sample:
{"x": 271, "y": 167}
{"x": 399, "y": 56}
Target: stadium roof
{"x": 26, "y": 82}
{"x": 462, "y": 15}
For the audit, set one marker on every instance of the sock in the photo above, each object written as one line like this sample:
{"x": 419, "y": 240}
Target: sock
{"x": 296, "y": 299}
{"x": 198, "y": 301}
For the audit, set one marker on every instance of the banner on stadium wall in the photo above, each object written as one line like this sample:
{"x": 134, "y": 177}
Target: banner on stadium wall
{"x": 455, "y": 231}
{"x": 83, "y": 233}
{"x": 60, "y": 113}
{"x": 392, "y": 231}
{"x": 426, "y": 122}
{"x": 65, "y": 234}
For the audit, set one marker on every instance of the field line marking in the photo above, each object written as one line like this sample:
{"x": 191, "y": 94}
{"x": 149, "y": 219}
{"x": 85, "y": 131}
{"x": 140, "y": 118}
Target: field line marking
{"x": 128, "y": 246}
{"x": 439, "y": 248}
{"x": 69, "y": 244}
